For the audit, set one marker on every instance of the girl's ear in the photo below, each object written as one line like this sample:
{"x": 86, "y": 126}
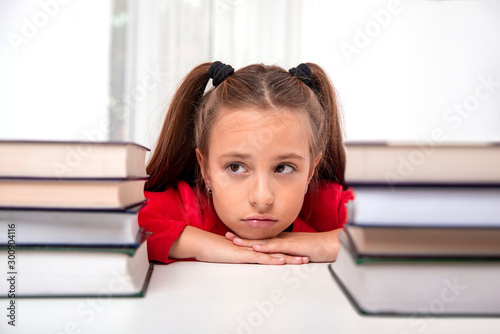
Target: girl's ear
{"x": 203, "y": 166}
{"x": 311, "y": 172}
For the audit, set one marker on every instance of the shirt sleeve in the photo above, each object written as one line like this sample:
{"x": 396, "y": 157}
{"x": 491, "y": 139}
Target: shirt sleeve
{"x": 166, "y": 214}
{"x": 325, "y": 209}
{"x": 347, "y": 196}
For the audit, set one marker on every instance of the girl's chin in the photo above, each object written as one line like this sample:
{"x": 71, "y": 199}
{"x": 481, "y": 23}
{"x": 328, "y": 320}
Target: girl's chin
{"x": 256, "y": 235}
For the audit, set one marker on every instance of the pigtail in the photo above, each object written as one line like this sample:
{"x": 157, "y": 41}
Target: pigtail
{"x": 174, "y": 157}
{"x": 332, "y": 165}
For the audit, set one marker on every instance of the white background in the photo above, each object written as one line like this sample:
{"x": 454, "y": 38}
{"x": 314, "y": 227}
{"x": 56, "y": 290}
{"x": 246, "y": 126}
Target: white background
{"x": 416, "y": 63}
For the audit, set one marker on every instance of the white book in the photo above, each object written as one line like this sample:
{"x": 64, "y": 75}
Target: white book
{"x": 418, "y": 287}
{"x": 60, "y": 227}
{"x": 444, "y": 206}
{"x": 77, "y": 272}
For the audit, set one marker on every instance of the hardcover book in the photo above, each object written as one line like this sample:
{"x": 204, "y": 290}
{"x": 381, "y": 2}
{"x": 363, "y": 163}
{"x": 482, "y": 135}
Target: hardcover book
{"x": 71, "y": 227}
{"x": 426, "y": 221}
{"x": 69, "y": 271}
{"x": 428, "y": 162}
{"x": 72, "y": 159}
{"x": 97, "y": 194}
{"x": 418, "y": 286}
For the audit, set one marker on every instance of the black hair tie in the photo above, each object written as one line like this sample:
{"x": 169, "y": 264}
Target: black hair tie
{"x": 219, "y": 72}
{"x": 302, "y": 72}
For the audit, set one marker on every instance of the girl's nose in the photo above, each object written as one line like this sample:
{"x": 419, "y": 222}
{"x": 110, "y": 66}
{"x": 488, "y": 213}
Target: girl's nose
{"x": 261, "y": 194}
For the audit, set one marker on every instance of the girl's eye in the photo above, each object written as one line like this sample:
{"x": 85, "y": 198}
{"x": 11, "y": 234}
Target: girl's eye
{"x": 284, "y": 169}
{"x": 236, "y": 168}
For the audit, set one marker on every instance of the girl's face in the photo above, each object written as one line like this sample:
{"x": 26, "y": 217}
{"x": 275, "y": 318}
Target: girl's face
{"x": 258, "y": 167}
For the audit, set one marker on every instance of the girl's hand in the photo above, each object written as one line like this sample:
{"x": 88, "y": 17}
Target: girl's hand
{"x": 209, "y": 247}
{"x": 317, "y": 247}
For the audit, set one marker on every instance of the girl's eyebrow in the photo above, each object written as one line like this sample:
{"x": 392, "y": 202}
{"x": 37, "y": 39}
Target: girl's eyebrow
{"x": 235, "y": 155}
{"x": 289, "y": 156}
{"x": 247, "y": 156}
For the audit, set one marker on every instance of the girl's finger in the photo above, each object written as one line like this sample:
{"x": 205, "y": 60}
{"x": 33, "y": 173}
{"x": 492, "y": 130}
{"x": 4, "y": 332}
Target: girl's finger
{"x": 277, "y": 259}
{"x": 249, "y": 243}
{"x": 292, "y": 259}
{"x": 230, "y": 236}
{"x": 262, "y": 258}
{"x": 281, "y": 246}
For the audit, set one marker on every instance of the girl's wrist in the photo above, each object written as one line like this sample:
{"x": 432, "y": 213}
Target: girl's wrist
{"x": 333, "y": 242}
{"x": 187, "y": 244}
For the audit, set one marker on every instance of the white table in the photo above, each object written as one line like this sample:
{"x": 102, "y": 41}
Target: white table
{"x": 192, "y": 297}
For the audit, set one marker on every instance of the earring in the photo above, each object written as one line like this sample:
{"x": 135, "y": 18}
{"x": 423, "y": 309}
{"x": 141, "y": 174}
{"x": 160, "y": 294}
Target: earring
{"x": 208, "y": 190}
{"x": 307, "y": 187}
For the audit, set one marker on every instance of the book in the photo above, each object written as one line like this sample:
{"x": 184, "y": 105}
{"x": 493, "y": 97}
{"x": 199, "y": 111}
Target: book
{"x": 416, "y": 286}
{"x": 426, "y": 221}
{"x": 72, "y": 159}
{"x": 102, "y": 194}
{"x": 430, "y": 242}
{"x": 429, "y": 162}
{"x": 71, "y": 227}
{"x": 69, "y": 211}
{"x": 433, "y": 206}
{"x": 50, "y": 271}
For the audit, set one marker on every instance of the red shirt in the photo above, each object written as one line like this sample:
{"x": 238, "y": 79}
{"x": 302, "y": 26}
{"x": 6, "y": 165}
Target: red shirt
{"x": 167, "y": 213}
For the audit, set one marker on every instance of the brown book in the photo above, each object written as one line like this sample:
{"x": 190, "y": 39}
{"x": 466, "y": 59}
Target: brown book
{"x": 432, "y": 242}
{"x": 435, "y": 163}
{"x": 98, "y": 194}
{"x": 72, "y": 159}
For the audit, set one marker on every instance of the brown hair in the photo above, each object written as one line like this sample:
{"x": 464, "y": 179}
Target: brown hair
{"x": 192, "y": 114}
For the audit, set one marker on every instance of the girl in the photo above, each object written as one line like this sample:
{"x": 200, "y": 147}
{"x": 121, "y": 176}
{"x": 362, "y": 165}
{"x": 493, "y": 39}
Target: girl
{"x": 251, "y": 171}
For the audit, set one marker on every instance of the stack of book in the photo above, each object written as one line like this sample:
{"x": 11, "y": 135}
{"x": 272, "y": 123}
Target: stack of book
{"x": 68, "y": 219}
{"x": 423, "y": 233}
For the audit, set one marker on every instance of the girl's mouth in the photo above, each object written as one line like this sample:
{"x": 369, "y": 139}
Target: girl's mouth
{"x": 259, "y": 221}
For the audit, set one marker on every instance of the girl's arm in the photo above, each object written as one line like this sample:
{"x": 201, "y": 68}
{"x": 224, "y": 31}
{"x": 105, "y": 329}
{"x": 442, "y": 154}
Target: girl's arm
{"x": 318, "y": 247}
{"x": 209, "y": 247}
